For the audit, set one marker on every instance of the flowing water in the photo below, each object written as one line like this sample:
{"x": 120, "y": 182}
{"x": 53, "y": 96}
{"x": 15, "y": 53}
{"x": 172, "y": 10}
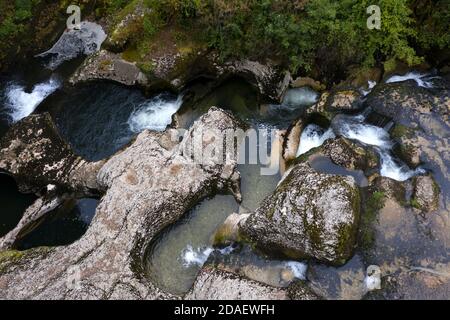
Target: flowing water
{"x": 176, "y": 256}
{"x": 98, "y": 125}
{"x": 355, "y": 128}
{"x": 99, "y": 118}
{"x": 422, "y": 80}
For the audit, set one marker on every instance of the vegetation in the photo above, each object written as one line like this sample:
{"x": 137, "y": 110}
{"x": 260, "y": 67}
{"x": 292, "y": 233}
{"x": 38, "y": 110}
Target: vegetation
{"x": 373, "y": 205}
{"x": 324, "y": 36}
{"x": 320, "y": 37}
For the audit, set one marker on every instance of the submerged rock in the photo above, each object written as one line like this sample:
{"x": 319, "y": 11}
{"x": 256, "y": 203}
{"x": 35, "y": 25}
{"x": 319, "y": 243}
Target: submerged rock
{"x": 391, "y": 188}
{"x": 216, "y": 284}
{"x": 148, "y": 188}
{"x": 310, "y": 216}
{"x": 228, "y": 232}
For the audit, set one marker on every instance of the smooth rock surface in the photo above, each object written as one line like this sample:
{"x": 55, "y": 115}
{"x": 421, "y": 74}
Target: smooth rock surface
{"x": 148, "y": 188}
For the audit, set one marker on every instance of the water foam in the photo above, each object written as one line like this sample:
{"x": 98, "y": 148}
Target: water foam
{"x": 397, "y": 171}
{"x": 298, "y": 269}
{"x": 21, "y": 103}
{"x": 354, "y": 127}
{"x": 422, "y": 80}
{"x": 313, "y": 136}
{"x": 368, "y": 134}
{"x": 299, "y": 97}
{"x": 154, "y": 114}
{"x": 370, "y": 86}
{"x": 198, "y": 256}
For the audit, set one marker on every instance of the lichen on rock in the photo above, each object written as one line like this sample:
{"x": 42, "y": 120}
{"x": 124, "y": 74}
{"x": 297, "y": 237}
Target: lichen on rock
{"x": 309, "y": 216}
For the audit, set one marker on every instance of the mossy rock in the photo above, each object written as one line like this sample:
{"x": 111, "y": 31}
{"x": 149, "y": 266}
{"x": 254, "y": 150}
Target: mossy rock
{"x": 309, "y": 216}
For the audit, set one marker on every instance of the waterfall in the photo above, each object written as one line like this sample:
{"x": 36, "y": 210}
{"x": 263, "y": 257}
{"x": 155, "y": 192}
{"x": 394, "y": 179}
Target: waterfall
{"x": 422, "y": 80}
{"x": 154, "y": 114}
{"x": 353, "y": 127}
{"x": 313, "y": 136}
{"x": 20, "y": 103}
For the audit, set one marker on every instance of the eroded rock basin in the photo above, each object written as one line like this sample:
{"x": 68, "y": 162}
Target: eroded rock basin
{"x": 408, "y": 245}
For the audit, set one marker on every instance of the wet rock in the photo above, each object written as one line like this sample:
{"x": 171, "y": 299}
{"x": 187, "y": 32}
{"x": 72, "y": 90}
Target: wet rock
{"x": 31, "y": 219}
{"x": 228, "y": 232}
{"x": 215, "y": 284}
{"x": 391, "y": 188}
{"x": 404, "y": 102}
{"x": 34, "y": 153}
{"x": 310, "y": 216}
{"x": 359, "y": 77}
{"x": 426, "y": 193}
{"x": 106, "y": 65}
{"x": 298, "y": 290}
{"x": 173, "y": 70}
{"x": 344, "y": 100}
{"x": 319, "y": 109}
{"x": 73, "y": 43}
{"x": 350, "y": 155}
{"x": 407, "y": 146}
{"x": 148, "y": 188}
{"x": 292, "y": 140}
{"x": 308, "y": 82}
{"x": 343, "y": 283}
{"x": 271, "y": 81}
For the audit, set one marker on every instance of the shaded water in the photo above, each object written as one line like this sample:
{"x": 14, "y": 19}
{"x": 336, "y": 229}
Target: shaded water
{"x": 12, "y": 204}
{"x": 235, "y": 95}
{"x": 325, "y": 165}
{"x": 98, "y": 125}
{"x": 63, "y": 226}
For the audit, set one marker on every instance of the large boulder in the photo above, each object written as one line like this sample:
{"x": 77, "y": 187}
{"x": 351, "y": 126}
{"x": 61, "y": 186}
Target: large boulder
{"x": 344, "y": 101}
{"x": 426, "y": 193}
{"x": 86, "y": 40}
{"x": 174, "y": 70}
{"x": 105, "y": 65}
{"x": 349, "y": 154}
{"x": 150, "y": 185}
{"x": 310, "y": 215}
{"x": 404, "y": 102}
{"x": 34, "y": 153}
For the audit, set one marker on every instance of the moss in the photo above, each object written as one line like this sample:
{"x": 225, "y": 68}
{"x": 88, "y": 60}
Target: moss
{"x": 400, "y": 131}
{"x": 146, "y": 67}
{"x": 131, "y": 54}
{"x": 13, "y": 258}
{"x": 415, "y": 203}
{"x": 373, "y": 205}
